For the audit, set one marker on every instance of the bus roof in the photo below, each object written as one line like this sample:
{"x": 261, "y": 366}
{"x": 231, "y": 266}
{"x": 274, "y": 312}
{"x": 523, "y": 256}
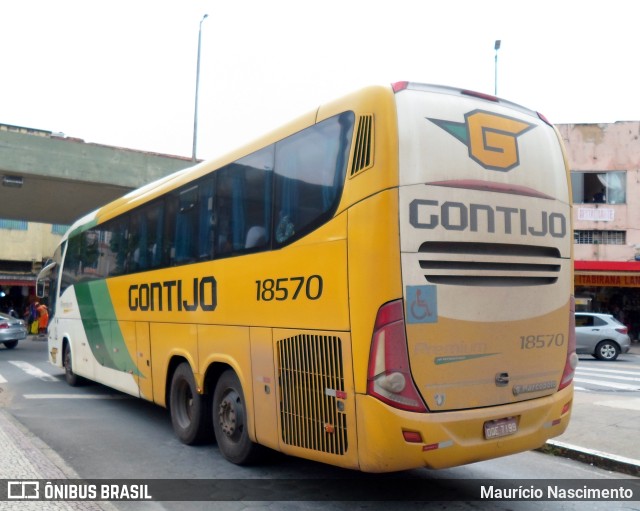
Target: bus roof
{"x": 156, "y": 188}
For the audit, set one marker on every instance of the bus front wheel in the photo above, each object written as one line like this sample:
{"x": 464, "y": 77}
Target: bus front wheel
{"x": 189, "y": 410}
{"x": 230, "y": 421}
{"x": 70, "y": 377}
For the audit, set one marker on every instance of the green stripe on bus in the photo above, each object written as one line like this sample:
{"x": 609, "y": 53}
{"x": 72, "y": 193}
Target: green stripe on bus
{"x": 104, "y": 334}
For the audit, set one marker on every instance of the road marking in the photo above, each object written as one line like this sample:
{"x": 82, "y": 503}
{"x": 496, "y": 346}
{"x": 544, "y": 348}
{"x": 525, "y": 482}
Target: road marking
{"x": 626, "y": 404}
{"x": 612, "y": 376}
{"x": 2, "y": 380}
{"x": 613, "y": 385}
{"x": 73, "y": 396}
{"x": 609, "y": 371}
{"x": 32, "y": 370}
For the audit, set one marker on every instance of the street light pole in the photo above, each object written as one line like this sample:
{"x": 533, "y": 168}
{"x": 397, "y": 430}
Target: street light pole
{"x": 495, "y": 79}
{"x": 195, "y": 113}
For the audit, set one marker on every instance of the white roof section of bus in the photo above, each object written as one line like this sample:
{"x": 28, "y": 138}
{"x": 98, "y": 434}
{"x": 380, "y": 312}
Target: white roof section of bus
{"x": 541, "y": 161}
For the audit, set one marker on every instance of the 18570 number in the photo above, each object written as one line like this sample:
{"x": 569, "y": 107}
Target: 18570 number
{"x": 530, "y": 342}
{"x": 290, "y": 288}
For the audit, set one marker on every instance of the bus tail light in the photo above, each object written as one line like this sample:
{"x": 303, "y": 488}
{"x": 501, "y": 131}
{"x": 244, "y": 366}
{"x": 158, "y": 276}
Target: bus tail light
{"x": 389, "y": 376}
{"x": 544, "y": 119}
{"x": 572, "y": 359}
{"x": 399, "y": 86}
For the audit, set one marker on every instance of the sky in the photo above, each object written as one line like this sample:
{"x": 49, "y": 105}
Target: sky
{"x": 123, "y": 72}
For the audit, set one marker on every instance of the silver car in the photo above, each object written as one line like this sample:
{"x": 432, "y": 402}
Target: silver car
{"x": 12, "y": 330}
{"x": 601, "y": 335}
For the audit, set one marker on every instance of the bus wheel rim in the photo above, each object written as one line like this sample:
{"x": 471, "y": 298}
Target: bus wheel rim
{"x": 230, "y": 415}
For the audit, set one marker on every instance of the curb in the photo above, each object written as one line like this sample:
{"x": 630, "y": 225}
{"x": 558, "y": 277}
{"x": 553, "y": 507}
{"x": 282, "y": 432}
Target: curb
{"x": 592, "y": 457}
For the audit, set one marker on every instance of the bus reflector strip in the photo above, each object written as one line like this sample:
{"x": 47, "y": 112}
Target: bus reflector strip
{"x": 335, "y": 393}
{"x": 439, "y": 445}
{"x": 551, "y": 424}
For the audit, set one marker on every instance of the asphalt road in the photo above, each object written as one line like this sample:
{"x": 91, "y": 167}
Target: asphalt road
{"x": 102, "y": 434}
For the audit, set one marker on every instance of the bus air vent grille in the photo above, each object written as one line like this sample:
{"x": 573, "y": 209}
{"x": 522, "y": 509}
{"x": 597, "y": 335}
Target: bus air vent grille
{"x": 311, "y": 381}
{"x": 363, "y": 150}
{"x": 489, "y": 264}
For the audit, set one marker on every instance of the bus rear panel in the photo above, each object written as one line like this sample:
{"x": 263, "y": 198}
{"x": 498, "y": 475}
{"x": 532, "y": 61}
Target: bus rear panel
{"x": 484, "y": 323}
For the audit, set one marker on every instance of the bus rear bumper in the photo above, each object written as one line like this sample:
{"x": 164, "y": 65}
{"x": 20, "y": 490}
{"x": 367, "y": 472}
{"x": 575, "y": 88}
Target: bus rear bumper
{"x": 391, "y": 440}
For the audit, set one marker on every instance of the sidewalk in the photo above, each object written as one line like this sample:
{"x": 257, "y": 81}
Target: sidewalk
{"x": 25, "y": 457}
{"x": 609, "y": 425}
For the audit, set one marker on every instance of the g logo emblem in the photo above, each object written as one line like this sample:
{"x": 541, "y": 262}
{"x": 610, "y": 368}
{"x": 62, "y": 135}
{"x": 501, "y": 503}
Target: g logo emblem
{"x": 490, "y": 138}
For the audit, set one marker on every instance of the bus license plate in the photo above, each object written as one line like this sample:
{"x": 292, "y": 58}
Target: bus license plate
{"x": 500, "y": 427}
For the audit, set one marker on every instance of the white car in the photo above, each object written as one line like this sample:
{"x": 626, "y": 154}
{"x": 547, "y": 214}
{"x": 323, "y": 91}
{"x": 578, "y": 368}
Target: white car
{"x": 601, "y": 335}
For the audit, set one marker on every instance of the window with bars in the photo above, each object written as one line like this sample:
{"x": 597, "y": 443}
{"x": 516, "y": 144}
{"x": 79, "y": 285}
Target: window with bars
{"x": 14, "y": 225}
{"x": 59, "y": 229}
{"x": 600, "y": 237}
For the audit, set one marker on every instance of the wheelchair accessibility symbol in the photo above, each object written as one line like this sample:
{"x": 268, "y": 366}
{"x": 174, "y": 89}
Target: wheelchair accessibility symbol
{"x": 422, "y": 304}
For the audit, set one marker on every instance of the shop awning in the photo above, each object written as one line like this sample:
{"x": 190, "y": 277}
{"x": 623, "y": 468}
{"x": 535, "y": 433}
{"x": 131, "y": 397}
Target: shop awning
{"x": 8, "y": 279}
{"x": 607, "y": 273}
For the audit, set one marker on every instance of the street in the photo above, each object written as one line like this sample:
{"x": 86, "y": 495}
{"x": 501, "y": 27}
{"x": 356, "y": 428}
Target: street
{"x": 102, "y": 434}
{"x": 620, "y": 377}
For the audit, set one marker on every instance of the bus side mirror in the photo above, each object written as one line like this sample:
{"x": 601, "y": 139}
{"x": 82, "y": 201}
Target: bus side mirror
{"x": 41, "y": 288}
{"x": 43, "y": 279}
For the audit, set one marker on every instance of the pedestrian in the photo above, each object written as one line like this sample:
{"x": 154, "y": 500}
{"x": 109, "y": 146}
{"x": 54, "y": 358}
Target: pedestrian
{"x": 43, "y": 318}
{"x": 31, "y": 317}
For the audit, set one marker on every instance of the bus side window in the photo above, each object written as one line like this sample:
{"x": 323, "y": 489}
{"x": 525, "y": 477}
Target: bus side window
{"x": 310, "y": 167}
{"x": 222, "y": 233}
{"x": 186, "y": 227}
{"x": 168, "y": 247}
{"x": 146, "y": 234}
{"x": 206, "y": 220}
{"x": 244, "y": 204}
{"x": 258, "y": 198}
{"x": 115, "y": 247}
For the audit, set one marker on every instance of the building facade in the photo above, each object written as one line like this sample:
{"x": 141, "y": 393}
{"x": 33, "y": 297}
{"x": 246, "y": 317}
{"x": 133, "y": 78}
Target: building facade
{"x": 48, "y": 180}
{"x": 605, "y": 177}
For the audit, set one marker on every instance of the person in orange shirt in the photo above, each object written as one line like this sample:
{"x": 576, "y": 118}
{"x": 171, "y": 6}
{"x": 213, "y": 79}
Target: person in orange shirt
{"x": 43, "y": 318}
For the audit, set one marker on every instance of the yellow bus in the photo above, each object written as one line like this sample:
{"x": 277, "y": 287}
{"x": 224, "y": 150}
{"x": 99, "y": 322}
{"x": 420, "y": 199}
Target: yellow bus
{"x": 384, "y": 283}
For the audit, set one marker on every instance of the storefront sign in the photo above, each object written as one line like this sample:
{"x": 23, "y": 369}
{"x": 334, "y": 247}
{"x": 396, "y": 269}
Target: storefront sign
{"x": 604, "y": 280}
{"x": 596, "y": 214}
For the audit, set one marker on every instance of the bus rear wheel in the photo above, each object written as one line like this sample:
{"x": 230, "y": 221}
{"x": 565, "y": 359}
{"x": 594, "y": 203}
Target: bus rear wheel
{"x": 189, "y": 410}
{"x": 230, "y": 422}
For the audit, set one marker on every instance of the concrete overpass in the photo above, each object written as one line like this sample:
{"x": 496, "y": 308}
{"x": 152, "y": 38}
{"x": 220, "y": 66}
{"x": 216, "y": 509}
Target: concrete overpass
{"x": 49, "y": 178}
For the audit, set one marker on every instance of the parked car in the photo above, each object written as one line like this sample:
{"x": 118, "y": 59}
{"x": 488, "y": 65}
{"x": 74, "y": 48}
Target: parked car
{"x": 12, "y": 330}
{"x": 601, "y": 335}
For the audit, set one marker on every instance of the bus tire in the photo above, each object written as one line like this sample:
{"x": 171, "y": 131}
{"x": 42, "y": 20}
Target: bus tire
{"x": 230, "y": 422}
{"x": 189, "y": 410}
{"x": 70, "y": 377}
